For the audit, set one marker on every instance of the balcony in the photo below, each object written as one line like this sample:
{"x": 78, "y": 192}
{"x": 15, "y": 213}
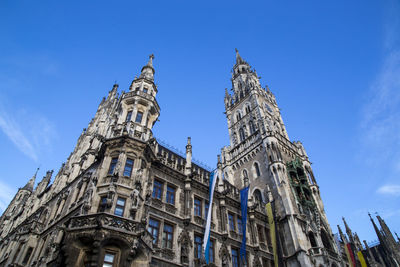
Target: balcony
{"x": 104, "y": 220}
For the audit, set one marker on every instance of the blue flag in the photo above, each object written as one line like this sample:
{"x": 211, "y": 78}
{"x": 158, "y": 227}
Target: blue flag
{"x": 243, "y": 205}
{"x": 206, "y": 240}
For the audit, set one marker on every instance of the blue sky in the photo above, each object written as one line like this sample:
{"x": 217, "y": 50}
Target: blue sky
{"x": 334, "y": 68}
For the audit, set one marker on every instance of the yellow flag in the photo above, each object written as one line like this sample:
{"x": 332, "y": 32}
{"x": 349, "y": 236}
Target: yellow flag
{"x": 271, "y": 222}
{"x": 361, "y": 258}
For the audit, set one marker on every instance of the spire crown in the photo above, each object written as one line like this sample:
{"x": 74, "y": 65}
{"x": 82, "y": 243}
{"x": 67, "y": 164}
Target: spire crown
{"x": 31, "y": 183}
{"x": 148, "y": 70}
{"x": 239, "y": 59}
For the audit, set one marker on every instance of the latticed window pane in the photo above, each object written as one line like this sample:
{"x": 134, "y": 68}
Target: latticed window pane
{"x": 171, "y": 195}
{"x": 206, "y": 207}
{"x": 139, "y": 117}
{"x": 231, "y": 221}
{"x": 112, "y": 165}
{"x": 235, "y": 258}
{"x": 197, "y": 207}
{"x": 240, "y": 225}
{"x": 197, "y": 247}
{"x": 168, "y": 235}
{"x": 157, "y": 189}
{"x": 129, "y": 116}
{"x": 128, "y": 167}
{"x": 153, "y": 229}
{"x": 108, "y": 260}
{"x": 119, "y": 208}
{"x": 211, "y": 251}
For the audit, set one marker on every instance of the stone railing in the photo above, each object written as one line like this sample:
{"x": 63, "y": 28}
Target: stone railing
{"x": 104, "y": 220}
{"x": 244, "y": 146}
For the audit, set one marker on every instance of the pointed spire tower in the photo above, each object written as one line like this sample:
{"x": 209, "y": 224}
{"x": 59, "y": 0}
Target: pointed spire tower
{"x": 31, "y": 183}
{"x": 348, "y": 231}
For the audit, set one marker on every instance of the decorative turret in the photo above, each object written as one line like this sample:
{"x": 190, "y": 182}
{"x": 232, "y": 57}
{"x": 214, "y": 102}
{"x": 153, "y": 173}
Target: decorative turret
{"x": 31, "y": 183}
{"x": 348, "y": 231}
{"x": 148, "y": 70}
{"x": 342, "y": 236}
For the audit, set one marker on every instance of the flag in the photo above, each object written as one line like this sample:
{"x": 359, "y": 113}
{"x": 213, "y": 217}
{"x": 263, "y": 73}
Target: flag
{"x": 243, "y": 206}
{"x": 206, "y": 240}
{"x": 272, "y": 231}
{"x": 361, "y": 258}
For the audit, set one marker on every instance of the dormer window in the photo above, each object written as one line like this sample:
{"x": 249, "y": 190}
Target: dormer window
{"x": 139, "y": 117}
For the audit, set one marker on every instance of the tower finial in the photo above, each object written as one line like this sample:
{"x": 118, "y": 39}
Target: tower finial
{"x": 150, "y": 63}
{"x": 31, "y": 183}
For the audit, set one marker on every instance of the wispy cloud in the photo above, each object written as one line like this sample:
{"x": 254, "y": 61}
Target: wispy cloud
{"x": 381, "y": 112}
{"x": 6, "y": 195}
{"x": 29, "y": 132}
{"x": 393, "y": 190}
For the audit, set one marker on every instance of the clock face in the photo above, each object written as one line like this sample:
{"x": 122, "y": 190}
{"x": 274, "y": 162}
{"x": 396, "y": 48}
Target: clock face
{"x": 268, "y": 108}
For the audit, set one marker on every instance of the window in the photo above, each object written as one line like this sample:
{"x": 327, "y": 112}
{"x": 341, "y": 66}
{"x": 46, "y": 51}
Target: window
{"x": 240, "y": 225}
{"x": 260, "y": 231}
{"x": 145, "y": 90}
{"x": 139, "y": 117}
{"x": 168, "y": 235}
{"x": 310, "y": 177}
{"x": 108, "y": 259}
{"x": 211, "y": 251}
{"x": 247, "y": 109}
{"x": 119, "y": 208}
{"x": 112, "y": 165}
{"x": 157, "y": 189}
{"x": 258, "y": 197}
{"x": 153, "y": 228}
{"x": 231, "y": 221}
{"x": 206, "y": 207}
{"x": 128, "y": 167}
{"x": 27, "y": 255}
{"x": 171, "y": 195}
{"x": 197, "y": 246}
{"x": 103, "y": 204}
{"x": 257, "y": 168}
{"x": 197, "y": 207}
{"x": 252, "y": 128}
{"x": 241, "y": 135}
{"x": 235, "y": 258}
{"x": 128, "y": 116}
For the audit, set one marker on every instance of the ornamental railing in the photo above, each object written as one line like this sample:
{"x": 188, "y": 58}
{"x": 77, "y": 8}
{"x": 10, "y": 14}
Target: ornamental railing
{"x": 104, "y": 220}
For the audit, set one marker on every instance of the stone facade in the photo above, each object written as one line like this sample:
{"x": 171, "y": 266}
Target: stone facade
{"x": 124, "y": 199}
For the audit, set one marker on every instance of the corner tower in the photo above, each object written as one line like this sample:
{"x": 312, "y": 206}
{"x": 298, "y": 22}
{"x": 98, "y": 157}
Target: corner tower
{"x": 277, "y": 170}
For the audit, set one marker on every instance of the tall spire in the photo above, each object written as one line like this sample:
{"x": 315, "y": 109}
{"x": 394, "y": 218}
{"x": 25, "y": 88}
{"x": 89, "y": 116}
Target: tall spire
{"x": 348, "y": 231}
{"x": 148, "y": 70}
{"x": 386, "y": 231}
{"x": 342, "y": 236}
{"x": 239, "y": 59}
{"x": 31, "y": 183}
{"x": 378, "y": 233}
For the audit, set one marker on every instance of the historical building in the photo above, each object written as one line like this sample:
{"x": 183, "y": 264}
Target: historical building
{"x": 124, "y": 199}
{"x": 385, "y": 253}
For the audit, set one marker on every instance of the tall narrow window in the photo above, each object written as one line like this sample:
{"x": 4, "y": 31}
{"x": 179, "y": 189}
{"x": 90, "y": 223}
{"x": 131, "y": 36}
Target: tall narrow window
{"x": 112, "y": 165}
{"x": 252, "y": 128}
{"x": 235, "y": 258}
{"x": 170, "y": 195}
{"x": 27, "y": 255}
{"x": 241, "y": 134}
{"x": 139, "y": 117}
{"x": 128, "y": 167}
{"x": 103, "y": 204}
{"x": 119, "y": 208}
{"x": 197, "y": 207}
{"x": 231, "y": 221}
{"x": 260, "y": 231}
{"x": 257, "y": 168}
{"x": 157, "y": 189}
{"x": 206, "y": 207}
{"x": 153, "y": 228}
{"x": 240, "y": 225}
{"x": 128, "y": 116}
{"x": 211, "y": 251}
{"x": 197, "y": 246}
{"x": 108, "y": 259}
{"x": 168, "y": 236}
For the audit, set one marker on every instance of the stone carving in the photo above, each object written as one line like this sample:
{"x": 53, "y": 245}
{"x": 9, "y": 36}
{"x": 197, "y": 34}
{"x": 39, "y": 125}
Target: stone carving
{"x": 224, "y": 255}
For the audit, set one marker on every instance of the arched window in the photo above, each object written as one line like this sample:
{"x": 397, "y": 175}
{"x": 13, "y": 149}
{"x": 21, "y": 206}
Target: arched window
{"x": 245, "y": 175}
{"x": 257, "y": 169}
{"x": 325, "y": 240}
{"x": 312, "y": 240}
{"x": 252, "y": 128}
{"x": 238, "y": 116}
{"x": 247, "y": 109}
{"x": 309, "y": 177}
{"x": 258, "y": 197}
{"x": 241, "y": 134}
